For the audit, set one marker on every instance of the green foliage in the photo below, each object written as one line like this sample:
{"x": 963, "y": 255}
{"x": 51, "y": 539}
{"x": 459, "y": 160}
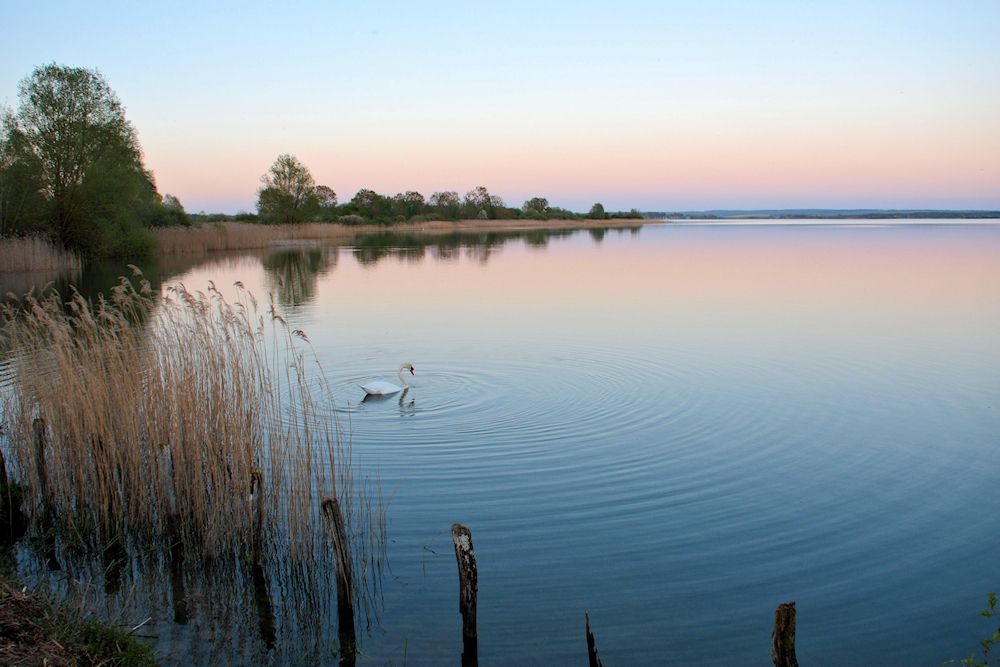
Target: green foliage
{"x": 166, "y": 211}
{"x": 537, "y": 205}
{"x": 371, "y": 205}
{"x": 34, "y": 627}
{"x": 629, "y": 215}
{"x": 446, "y": 205}
{"x": 597, "y": 212}
{"x": 111, "y": 644}
{"x": 288, "y": 193}
{"x": 87, "y": 154}
{"x": 480, "y": 204}
{"x": 71, "y": 167}
{"x": 408, "y": 205}
{"x": 21, "y": 200}
{"x": 988, "y": 643}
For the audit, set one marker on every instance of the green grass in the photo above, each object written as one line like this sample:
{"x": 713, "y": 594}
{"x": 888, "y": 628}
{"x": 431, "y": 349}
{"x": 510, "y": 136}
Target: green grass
{"x": 33, "y": 631}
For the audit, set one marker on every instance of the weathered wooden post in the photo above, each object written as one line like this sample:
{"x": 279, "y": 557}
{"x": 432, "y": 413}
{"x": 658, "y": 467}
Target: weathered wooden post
{"x": 345, "y": 579}
{"x": 43, "y": 478}
{"x": 167, "y": 487}
{"x": 3, "y": 470}
{"x": 591, "y": 649}
{"x": 783, "y": 637}
{"x": 38, "y": 426}
{"x": 468, "y": 589}
{"x": 177, "y": 590}
{"x": 257, "y": 508}
{"x": 265, "y": 609}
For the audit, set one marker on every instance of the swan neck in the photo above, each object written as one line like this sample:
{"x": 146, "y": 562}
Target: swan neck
{"x": 401, "y": 378}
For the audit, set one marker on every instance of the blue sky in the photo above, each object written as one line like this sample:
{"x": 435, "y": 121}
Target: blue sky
{"x": 662, "y": 106}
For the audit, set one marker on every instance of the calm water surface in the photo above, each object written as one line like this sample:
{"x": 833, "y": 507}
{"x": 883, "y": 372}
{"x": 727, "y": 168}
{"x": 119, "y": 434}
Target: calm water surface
{"x": 673, "y": 429}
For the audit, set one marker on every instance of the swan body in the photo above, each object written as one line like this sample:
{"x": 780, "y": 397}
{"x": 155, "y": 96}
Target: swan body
{"x": 383, "y": 388}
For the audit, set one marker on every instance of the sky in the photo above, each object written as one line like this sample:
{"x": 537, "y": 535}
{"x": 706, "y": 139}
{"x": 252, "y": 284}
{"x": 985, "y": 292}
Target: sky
{"x": 660, "y": 106}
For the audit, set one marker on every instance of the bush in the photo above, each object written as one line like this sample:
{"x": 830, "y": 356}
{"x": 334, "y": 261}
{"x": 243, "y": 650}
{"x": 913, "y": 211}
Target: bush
{"x": 351, "y": 220}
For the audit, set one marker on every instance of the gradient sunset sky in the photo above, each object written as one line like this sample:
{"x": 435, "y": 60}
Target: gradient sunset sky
{"x": 661, "y": 106}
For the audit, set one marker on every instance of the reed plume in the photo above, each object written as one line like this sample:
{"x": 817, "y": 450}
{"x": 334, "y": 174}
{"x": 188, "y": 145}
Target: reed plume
{"x": 156, "y": 413}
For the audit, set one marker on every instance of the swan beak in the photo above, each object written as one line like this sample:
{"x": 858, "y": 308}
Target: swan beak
{"x": 411, "y": 371}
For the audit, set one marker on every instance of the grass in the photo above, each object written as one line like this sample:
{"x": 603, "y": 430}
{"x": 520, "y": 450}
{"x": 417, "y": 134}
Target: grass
{"x": 35, "y": 632}
{"x": 33, "y": 253}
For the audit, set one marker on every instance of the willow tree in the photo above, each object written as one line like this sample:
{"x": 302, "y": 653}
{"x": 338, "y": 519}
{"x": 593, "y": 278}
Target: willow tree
{"x": 287, "y": 193}
{"x": 71, "y": 137}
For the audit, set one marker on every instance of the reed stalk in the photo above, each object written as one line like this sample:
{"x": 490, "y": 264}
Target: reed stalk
{"x": 32, "y": 254}
{"x": 160, "y": 412}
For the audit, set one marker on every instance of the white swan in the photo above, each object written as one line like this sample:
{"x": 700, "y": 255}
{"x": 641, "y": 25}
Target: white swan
{"x": 382, "y": 388}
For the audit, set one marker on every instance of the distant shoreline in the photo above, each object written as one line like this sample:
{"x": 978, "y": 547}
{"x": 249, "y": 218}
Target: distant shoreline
{"x": 822, "y": 214}
{"x": 248, "y": 236}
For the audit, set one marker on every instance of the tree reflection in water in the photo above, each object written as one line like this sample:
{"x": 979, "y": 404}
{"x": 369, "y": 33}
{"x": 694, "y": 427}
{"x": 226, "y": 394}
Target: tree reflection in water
{"x": 293, "y": 274}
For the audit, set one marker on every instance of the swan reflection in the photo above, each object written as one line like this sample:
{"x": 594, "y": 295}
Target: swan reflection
{"x": 407, "y": 408}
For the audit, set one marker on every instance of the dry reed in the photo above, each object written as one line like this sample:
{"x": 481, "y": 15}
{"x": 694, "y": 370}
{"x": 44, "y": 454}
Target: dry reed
{"x": 33, "y": 253}
{"x": 245, "y": 236}
{"x": 158, "y": 412}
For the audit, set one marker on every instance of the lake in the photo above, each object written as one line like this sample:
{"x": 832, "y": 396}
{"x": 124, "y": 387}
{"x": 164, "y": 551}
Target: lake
{"x": 673, "y": 428}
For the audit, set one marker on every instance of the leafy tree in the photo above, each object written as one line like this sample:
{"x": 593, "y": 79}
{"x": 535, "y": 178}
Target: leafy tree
{"x": 167, "y": 211}
{"x": 479, "y": 200}
{"x": 325, "y": 196}
{"x": 326, "y": 199}
{"x": 538, "y": 204}
{"x": 20, "y": 198}
{"x": 287, "y": 193}
{"x": 371, "y": 204}
{"x": 74, "y": 150}
{"x": 597, "y": 212}
{"x": 409, "y": 204}
{"x": 446, "y": 205}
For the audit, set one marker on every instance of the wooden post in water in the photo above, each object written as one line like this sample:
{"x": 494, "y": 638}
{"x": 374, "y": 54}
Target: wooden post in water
{"x": 345, "y": 582}
{"x": 257, "y": 508}
{"x": 783, "y": 637}
{"x": 43, "y": 478}
{"x": 468, "y": 589}
{"x": 167, "y": 483}
{"x": 591, "y": 649}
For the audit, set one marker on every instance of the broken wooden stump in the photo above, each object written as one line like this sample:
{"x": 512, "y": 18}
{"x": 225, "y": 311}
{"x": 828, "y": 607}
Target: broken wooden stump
{"x": 172, "y": 522}
{"x": 783, "y": 637}
{"x": 257, "y": 509}
{"x": 591, "y": 649}
{"x": 178, "y": 592}
{"x": 345, "y": 582}
{"x": 43, "y": 478}
{"x": 468, "y": 589}
{"x": 265, "y": 608}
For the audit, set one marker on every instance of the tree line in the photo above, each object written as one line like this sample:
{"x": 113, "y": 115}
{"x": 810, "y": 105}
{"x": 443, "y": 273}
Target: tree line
{"x": 289, "y": 194}
{"x": 72, "y": 170}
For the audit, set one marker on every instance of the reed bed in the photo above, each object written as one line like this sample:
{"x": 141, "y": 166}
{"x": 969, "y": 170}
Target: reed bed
{"x": 156, "y": 414}
{"x": 34, "y": 253}
{"x": 246, "y": 236}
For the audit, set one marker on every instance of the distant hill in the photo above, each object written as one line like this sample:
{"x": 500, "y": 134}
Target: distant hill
{"x": 816, "y": 214}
